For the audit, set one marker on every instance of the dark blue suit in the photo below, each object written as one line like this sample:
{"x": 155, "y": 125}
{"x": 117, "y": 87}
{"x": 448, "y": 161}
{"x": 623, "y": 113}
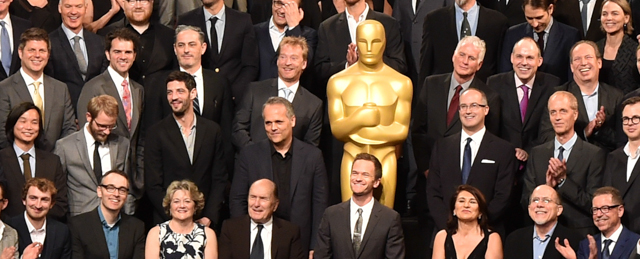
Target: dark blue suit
{"x": 57, "y": 243}
{"x": 623, "y": 248}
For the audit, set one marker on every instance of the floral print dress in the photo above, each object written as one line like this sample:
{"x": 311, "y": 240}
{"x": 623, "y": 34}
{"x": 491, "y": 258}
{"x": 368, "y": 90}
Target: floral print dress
{"x": 182, "y": 246}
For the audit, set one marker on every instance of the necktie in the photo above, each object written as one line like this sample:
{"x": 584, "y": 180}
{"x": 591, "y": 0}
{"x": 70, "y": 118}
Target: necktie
{"x": 82, "y": 63}
{"x": 5, "y": 45}
{"x": 196, "y": 102}
{"x": 286, "y": 93}
{"x": 541, "y": 41}
{"x": 465, "y": 30}
{"x": 605, "y": 252}
{"x": 97, "y": 163}
{"x": 257, "y": 250}
{"x": 126, "y": 102}
{"x": 26, "y": 165}
{"x": 524, "y": 102}
{"x": 583, "y": 13}
{"x": 466, "y": 161}
{"x": 37, "y": 98}
{"x": 417, "y": 4}
{"x": 560, "y": 153}
{"x": 357, "y": 232}
{"x": 453, "y": 105}
{"x": 214, "y": 35}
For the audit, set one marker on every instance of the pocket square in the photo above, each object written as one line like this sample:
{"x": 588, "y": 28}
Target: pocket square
{"x": 487, "y": 161}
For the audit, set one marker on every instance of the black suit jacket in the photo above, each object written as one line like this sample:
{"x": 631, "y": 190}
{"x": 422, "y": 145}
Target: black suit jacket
{"x": 47, "y": 18}
{"x": 57, "y": 243}
{"x": 492, "y": 172}
{"x": 624, "y": 72}
{"x": 88, "y": 240}
{"x": 440, "y": 37}
{"x": 19, "y": 26}
{"x": 236, "y": 235}
{"x": 585, "y": 165}
{"x": 63, "y": 64}
{"x": 568, "y": 12}
{"x": 238, "y": 58}
{"x": 248, "y": 124}
{"x": 166, "y": 160}
{"x": 512, "y": 10}
{"x": 519, "y": 243}
{"x": 383, "y": 237}
{"x": 430, "y": 116}
{"x": 556, "y": 53}
{"x": 47, "y": 166}
{"x": 512, "y": 129}
{"x": 309, "y": 190}
{"x": 615, "y": 175}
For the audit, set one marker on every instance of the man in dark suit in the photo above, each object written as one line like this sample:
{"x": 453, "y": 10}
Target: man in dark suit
{"x": 296, "y": 167}
{"x": 544, "y": 208}
{"x": 248, "y": 124}
{"x": 285, "y": 21}
{"x": 234, "y": 53}
{"x": 614, "y": 241}
{"x": 597, "y": 101}
{"x": 71, "y": 64}
{"x": 124, "y": 238}
{"x": 567, "y": 163}
{"x": 32, "y": 85}
{"x": 38, "y": 233}
{"x": 185, "y": 146}
{"x": 15, "y": 26}
{"x": 475, "y": 157}
{"x": 554, "y": 39}
{"x": 23, "y": 161}
{"x": 512, "y": 9}
{"x": 570, "y": 12}
{"x": 361, "y": 227}
{"x": 621, "y": 171}
{"x": 442, "y": 29}
{"x": 283, "y": 237}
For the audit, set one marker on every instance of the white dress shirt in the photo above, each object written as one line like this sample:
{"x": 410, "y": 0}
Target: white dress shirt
{"x": 37, "y": 235}
{"x": 103, "y": 151}
{"x": 614, "y": 237}
{"x": 351, "y": 21}
{"x": 293, "y": 88}
{"x": 632, "y": 159}
{"x": 266, "y": 235}
{"x": 476, "y": 139}
{"x": 32, "y": 88}
{"x": 197, "y": 76}
{"x": 366, "y": 214}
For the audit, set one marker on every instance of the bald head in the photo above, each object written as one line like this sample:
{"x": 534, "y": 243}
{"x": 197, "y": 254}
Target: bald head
{"x": 544, "y": 206}
{"x": 263, "y": 200}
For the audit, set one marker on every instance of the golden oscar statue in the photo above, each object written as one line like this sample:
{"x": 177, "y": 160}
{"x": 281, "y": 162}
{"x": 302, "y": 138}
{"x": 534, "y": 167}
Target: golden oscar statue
{"x": 370, "y": 109}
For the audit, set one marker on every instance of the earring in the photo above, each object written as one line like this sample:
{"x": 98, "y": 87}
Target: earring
{"x": 480, "y": 217}
{"x": 454, "y": 213}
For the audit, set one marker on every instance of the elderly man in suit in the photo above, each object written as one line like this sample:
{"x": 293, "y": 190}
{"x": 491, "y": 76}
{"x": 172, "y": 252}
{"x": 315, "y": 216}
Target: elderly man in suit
{"x": 24, "y": 161}
{"x": 14, "y": 26}
{"x": 248, "y": 123}
{"x": 361, "y": 227}
{"x": 32, "y": 85}
{"x": 185, "y": 146}
{"x": 554, "y": 39}
{"x": 76, "y": 53}
{"x": 296, "y": 167}
{"x": 567, "y": 163}
{"x": 91, "y": 152}
{"x": 231, "y": 50}
{"x": 106, "y": 232}
{"x": 272, "y": 237}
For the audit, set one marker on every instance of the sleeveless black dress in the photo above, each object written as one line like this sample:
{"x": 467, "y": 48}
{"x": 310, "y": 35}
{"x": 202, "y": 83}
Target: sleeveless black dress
{"x": 477, "y": 253}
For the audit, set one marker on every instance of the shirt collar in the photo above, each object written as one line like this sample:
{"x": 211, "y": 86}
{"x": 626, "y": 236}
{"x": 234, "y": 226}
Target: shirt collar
{"x": 476, "y": 137}
{"x": 627, "y": 152}
{"x": 195, "y": 121}
{"x": 293, "y": 88}
{"x": 198, "y": 72}
{"x": 19, "y": 151}
{"x": 362, "y": 17}
{"x": 28, "y": 80}
{"x": 568, "y": 145}
{"x": 549, "y": 234}
{"x": 615, "y": 236}
{"x": 30, "y": 226}
{"x": 288, "y": 153}
{"x": 473, "y": 9}
{"x": 519, "y": 82}
{"x": 116, "y": 77}
{"x": 272, "y": 26}
{"x": 104, "y": 221}
{"x": 548, "y": 29}
{"x": 221, "y": 14}
{"x": 595, "y": 92}
{"x": 88, "y": 136}
{"x": 354, "y": 207}
{"x": 455, "y": 83}
{"x": 71, "y": 34}
{"x": 267, "y": 225}
{"x": 7, "y": 19}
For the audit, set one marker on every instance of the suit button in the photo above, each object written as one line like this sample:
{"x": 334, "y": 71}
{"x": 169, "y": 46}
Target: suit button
{"x": 217, "y": 70}
{"x": 143, "y": 76}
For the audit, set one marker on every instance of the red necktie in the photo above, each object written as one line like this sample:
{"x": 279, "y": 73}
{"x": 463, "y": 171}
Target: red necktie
{"x": 126, "y": 102}
{"x": 453, "y": 106}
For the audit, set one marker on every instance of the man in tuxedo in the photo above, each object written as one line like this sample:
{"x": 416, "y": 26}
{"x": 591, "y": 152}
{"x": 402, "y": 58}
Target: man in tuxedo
{"x": 473, "y": 156}
{"x": 583, "y": 17}
{"x": 544, "y": 208}
{"x": 23, "y": 161}
{"x": 614, "y": 241}
{"x": 32, "y": 85}
{"x": 621, "y": 171}
{"x": 231, "y": 49}
{"x": 272, "y": 237}
{"x": 285, "y": 21}
{"x": 248, "y": 123}
{"x": 91, "y": 152}
{"x": 38, "y": 234}
{"x": 106, "y": 232}
{"x": 76, "y": 53}
{"x": 444, "y": 27}
{"x": 14, "y": 26}
{"x": 597, "y": 101}
{"x": 361, "y": 227}
{"x": 295, "y": 166}
{"x": 567, "y": 163}
{"x": 554, "y": 39}
{"x": 185, "y": 146}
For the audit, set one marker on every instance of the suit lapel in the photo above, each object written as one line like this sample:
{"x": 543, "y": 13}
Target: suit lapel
{"x": 209, "y": 95}
{"x": 553, "y": 39}
{"x": 623, "y": 242}
{"x": 110, "y": 88}
{"x": 136, "y": 96}
{"x": 200, "y": 134}
{"x": 619, "y": 178}
{"x": 83, "y": 154}
{"x": 229, "y": 33}
{"x": 512, "y": 96}
{"x": 582, "y": 110}
{"x": 95, "y": 227}
{"x": 373, "y": 222}
{"x": 12, "y": 168}
{"x": 66, "y": 46}
{"x": 175, "y": 136}
{"x": 297, "y": 166}
{"x": 575, "y": 152}
{"x": 345, "y": 220}
{"x": 49, "y": 100}
{"x": 536, "y": 93}
{"x": 483, "y": 149}
{"x": 343, "y": 35}
{"x": 113, "y": 152}
{"x": 275, "y": 242}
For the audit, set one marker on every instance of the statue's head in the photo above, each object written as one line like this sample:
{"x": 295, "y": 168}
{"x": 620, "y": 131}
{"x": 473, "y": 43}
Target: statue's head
{"x": 371, "y": 42}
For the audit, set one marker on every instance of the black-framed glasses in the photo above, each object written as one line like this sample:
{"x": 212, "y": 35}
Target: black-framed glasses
{"x": 603, "y": 209}
{"x": 111, "y": 189}
{"x": 630, "y": 121}
{"x": 105, "y": 127}
{"x": 472, "y": 107}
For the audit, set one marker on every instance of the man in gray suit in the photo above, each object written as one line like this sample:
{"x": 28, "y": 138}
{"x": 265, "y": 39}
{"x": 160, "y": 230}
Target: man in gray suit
{"x": 9, "y": 237}
{"x": 31, "y": 85}
{"x": 87, "y": 154}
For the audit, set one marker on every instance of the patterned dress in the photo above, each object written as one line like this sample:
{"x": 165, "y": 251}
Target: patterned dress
{"x": 182, "y": 246}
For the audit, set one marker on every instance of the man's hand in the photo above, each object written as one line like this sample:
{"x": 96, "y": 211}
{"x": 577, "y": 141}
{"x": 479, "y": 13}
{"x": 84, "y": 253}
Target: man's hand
{"x": 115, "y": 6}
{"x": 204, "y": 221}
{"x": 32, "y": 251}
{"x": 426, "y": 173}
{"x": 596, "y": 123}
{"x": 551, "y": 181}
{"x": 8, "y": 252}
{"x": 521, "y": 154}
{"x": 352, "y": 54}
{"x": 566, "y": 251}
{"x": 293, "y": 14}
{"x": 558, "y": 168}
{"x": 310, "y": 254}
{"x": 593, "y": 250}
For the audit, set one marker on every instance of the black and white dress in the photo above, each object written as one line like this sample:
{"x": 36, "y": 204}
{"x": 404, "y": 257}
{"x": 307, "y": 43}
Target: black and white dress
{"x": 176, "y": 245}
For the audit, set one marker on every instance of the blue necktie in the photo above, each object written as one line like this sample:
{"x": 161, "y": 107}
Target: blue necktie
{"x": 605, "y": 252}
{"x": 466, "y": 162}
{"x": 5, "y": 44}
{"x": 584, "y": 14}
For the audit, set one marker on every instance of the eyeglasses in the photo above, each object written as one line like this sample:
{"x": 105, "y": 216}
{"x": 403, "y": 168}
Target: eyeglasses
{"x": 111, "y": 189}
{"x": 537, "y": 200}
{"x": 142, "y": 2}
{"x": 472, "y": 107}
{"x": 630, "y": 121}
{"x": 603, "y": 209}
{"x": 278, "y": 4}
{"x": 105, "y": 127}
